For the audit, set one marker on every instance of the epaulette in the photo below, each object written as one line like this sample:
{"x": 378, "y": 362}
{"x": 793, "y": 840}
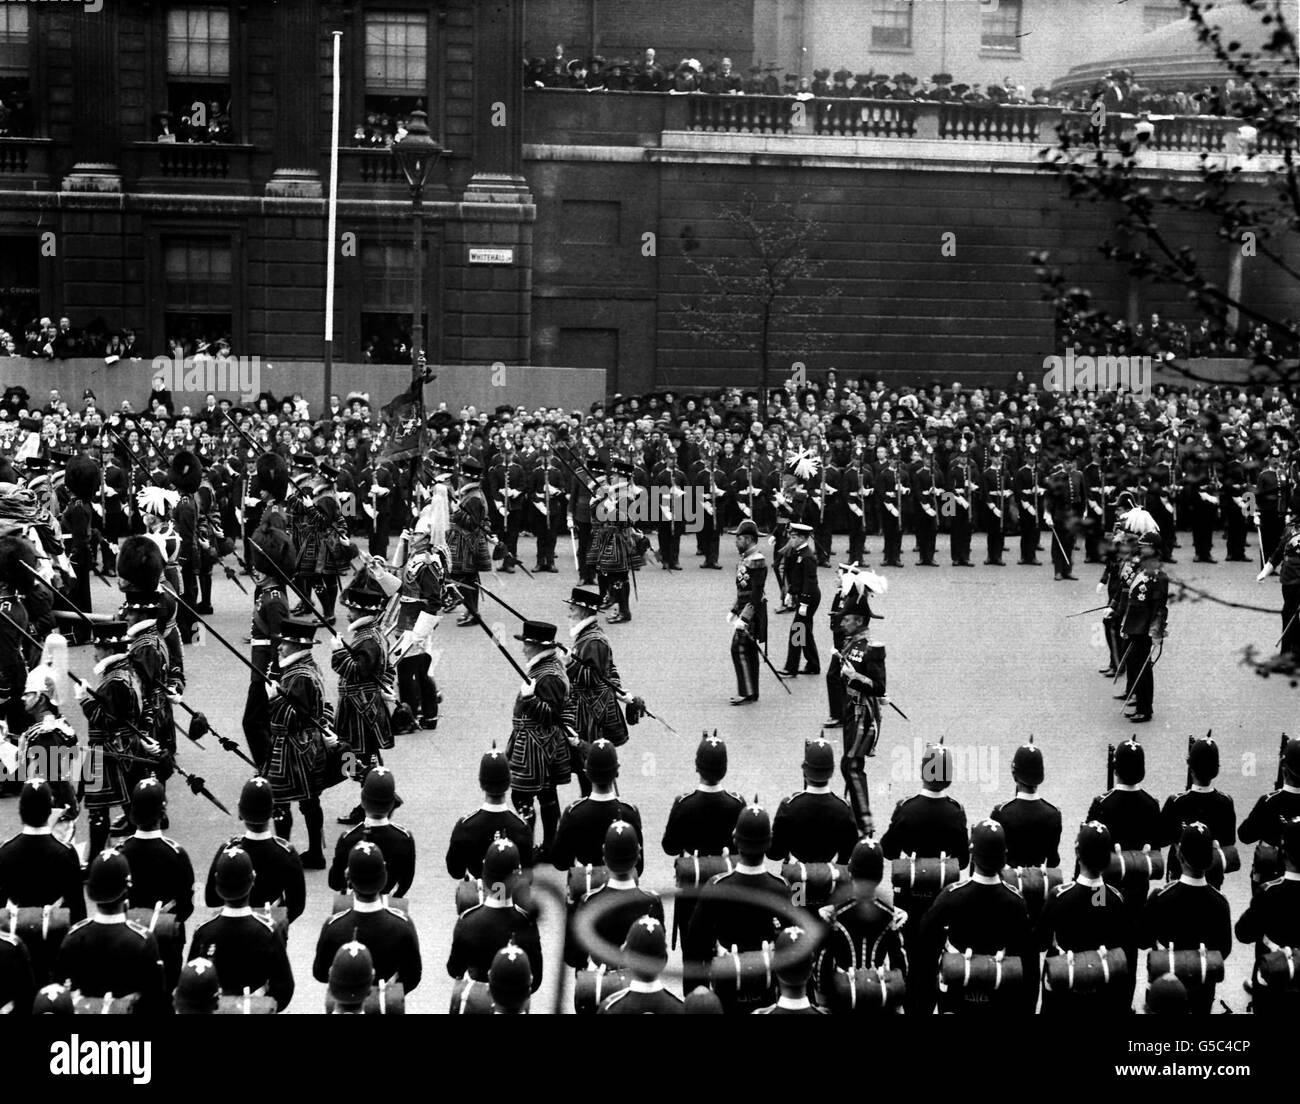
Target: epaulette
{"x": 79, "y": 924}
{"x": 1274, "y": 882}
{"x": 285, "y": 845}
{"x": 614, "y": 998}
{"x": 139, "y": 929}
{"x": 264, "y": 920}
{"x": 996, "y": 809}
{"x": 569, "y": 808}
{"x": 176, "y": 847}
{"x": 1014, "y": 889}
{"x": 732, "y": 793}
{"x": 405, "y": 831}
{"x": 341, "y": 915}
{"x": 398, "y": 912}
{"x": 755, "y": 556}
{"x": 12, "y": 940}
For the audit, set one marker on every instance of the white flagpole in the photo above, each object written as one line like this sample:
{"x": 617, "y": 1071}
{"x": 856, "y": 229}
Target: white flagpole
{"x": 331, "y": 233}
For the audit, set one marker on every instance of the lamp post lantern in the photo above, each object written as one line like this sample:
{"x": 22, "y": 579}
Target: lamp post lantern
{"x": 417, "y": 152}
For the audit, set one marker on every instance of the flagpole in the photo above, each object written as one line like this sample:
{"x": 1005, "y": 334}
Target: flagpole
{"x": 331, "y": 233}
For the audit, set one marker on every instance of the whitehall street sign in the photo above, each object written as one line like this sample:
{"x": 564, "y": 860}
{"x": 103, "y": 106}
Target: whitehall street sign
{"x": 491, "y": 256}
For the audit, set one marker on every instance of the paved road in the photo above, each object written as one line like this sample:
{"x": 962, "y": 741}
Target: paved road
{"x": 983, "y": 657}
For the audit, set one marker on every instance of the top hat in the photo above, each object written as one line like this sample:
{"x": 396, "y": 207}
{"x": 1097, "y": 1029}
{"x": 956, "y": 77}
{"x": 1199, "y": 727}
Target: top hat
{"x": 584, "y": 598}
{"x": 536, "y": 632}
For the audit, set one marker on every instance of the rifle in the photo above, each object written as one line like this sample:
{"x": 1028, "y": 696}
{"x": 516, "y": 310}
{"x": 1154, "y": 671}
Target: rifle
{"x": 1110, "y": 767}
{"x": 1281, "y": 759}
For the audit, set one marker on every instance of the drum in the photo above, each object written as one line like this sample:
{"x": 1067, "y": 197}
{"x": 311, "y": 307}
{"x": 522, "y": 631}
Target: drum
{"x": 743, "y": 975}
{"x": 470, "y": 998}
{"x": 590, "y": 987}
{"x": 583, "y": 879}
{"x": 1279, "y": 968}
{"x": 814, "y": 884}
{"x": 866, "y": 990}
{"x": 1267, "y": 865}
{"x": 247, "y": 1005}
{"x": 1035, "y": 884}
{"x": 107, "y": 1005}
{"x": 1199, "y": 967}
{"x": 42, "y": 931}
{"x": 693, "y": 871}
{"x": 1226, "y": 859}
{"x": 1086, "y": 972}
{"x": 924, "y": 878}
{"x": 979, "y": 974}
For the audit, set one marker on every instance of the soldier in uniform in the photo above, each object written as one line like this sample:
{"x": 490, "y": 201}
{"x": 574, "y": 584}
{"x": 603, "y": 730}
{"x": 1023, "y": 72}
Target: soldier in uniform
{"x": 668, "y": 487}
{"x": 1145, "y": 621}
{"x": 161, "y": 871}
{"x": 298, "y": 761}
{"x": 720, "y": 920}
{"x": 17, "y": 986}
{"x": 645, "y": 952}
{"x": 246, "y": 949}
{"x": 1115, "y": 579}
{"x": 621, "y": 856}
{"x": 107, "y": 953}
{"x": 1086, "y": 915}
{"x": 114, "y": 716}
{"x": 1272, "y": 921}
{"x": 483, "y": 930}
{"x": 1190, "y": 913}
{"x": 595, "y": 688}
{"x": 1026, "y": 487}
{"x": 363, "y": 669}
{"x": 421, "y": 599}
{"x": 889, "y": 489}
{"x": 397, "y": 844}
{"x": 1264, "y": 822}
{"x": 961, "y": 484}
{"x": 983, "y": 915}
{"x": 271, "y": 559}
{"x": 1272, "y": 499}
{"x": 1032, "y": 825}
{"x": 546, "y": 492}
{"x": 186, "y": 473}
{"x": 804, "y": 594}
{"x": 580, "y": 836}
{"x": 36, "y": 869}
{"x": 1064, "y": 498}
{"x": 1200, "y": 802}
{"x": 999, "y": 506}
{"x": 387, "y": 933}
{"x": 856, "y": 484}
{"x": 580, "y": 519}
{"x": 275, "y": 862}
{"x": 81, "y": 526}
{"x": 1286, "y": 556}
{"x": 494, "y": 819}
{"x": 814, "y": 825}
{"x": 862, "y": 673}
{"x": 792, "y": 957}
{"x": 507, "y": 487}
{"x": 864, "y": 931}
{"x": 925, "y": 490}
{"x": 1131, "y": 815}
{"x": 750, "y": 611}
{"x": 710, "y": 487}
{"x": 538, "y": 748}
{"x": 612, "y": 550}
{"x": 14, "y": 553}
{"x": 467, "y": 538}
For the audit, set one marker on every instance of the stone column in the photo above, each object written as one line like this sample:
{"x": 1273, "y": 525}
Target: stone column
{"x": 96, "y": 127}
{"x": 298, "y": 127}
{"x": 498, "y": 104}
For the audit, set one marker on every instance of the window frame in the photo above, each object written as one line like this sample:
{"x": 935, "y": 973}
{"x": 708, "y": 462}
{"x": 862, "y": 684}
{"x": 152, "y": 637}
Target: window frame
{"x": 354, "y": 75}
{"x": 160, "y": 92}
{"x": 164, "y": 232}
{"x": 1003, "y": 8}
{"x": 35, "y": 68}
{"x": 352, "y": 280}
{"x": 895, "y": 8}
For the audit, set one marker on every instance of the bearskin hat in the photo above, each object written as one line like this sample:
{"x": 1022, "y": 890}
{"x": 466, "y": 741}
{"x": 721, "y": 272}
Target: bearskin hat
{"x": 14, "y": 552}
{"x": 271, "y": 550}
{"x": 82, "y": 477}
{"x": 186, "y": 472}
{"x": 139, "y": 564}
{"x": 273, "y": 474}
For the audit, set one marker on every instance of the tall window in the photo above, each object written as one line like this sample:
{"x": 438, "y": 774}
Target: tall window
{"x": 891, "y": 24}
{"x": 1000, "y": 27}
{"x": 20, "y": 290}
{"x": 1157, "y": 15}
{"x": 198, "y": 292}
{"x": 386, "y": 290}
{"x": 198, "y": 77}
{"x": 15, "y": 84}
{"x": 397, "y": 52}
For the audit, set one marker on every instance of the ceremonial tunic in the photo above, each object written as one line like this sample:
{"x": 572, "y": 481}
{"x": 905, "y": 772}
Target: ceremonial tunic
{"x": 114, "y": 713}
{"x": 298, "y": 760}
{"x": 36, "y": 869}
{"x": 1144, "y": 621}
{"x": 750, "y": 607}
{"x": 472, "y": 835}
{"x": 702, "y": 822}
{"x": 538, "y": 748}
{"x": 1183, "y": 916}
{"x": 813, "y": 826}
{"x": 483, "y": 930}
{"x": 720, "y": 921}
{"x": 362, "y": 714}
{"x": 1033, "y": 830}
{"x": 1272, "y": 921}
{"x": 279, "y": 873}
{"x": 269, "y": 610}
{"x": 1208, "y": 806}
{"x": 110, "y": 954}
{"x": 580, "y": 838}
{"x": 48, "y": 749}
{"x": 248, "y": 952}
{"x": 151, "y": 659}
{"x": 387, "y": 933}
{"x": 468, "y": 543}
{"x": 805, "y": 595}
{"x": 631, "y": 902}
{"x": 594, "y": 706}
{"x": 859, "y": 935}
{"x": 1086, "y": 915}
{"x": 642, "y": 999}
{"x": 1286, "y": 556}
{"x": 395, "y": 843}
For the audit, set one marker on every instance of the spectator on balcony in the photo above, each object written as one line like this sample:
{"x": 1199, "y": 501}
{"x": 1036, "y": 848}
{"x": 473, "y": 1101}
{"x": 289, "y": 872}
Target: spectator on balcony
{"x": 67, "y": 341}
{"x": 619, "y": 77}
{"x": 38, "y": 341}
{"x": 163, "y": 131}
{"x": 903, "y": 85}
{"x": 728, "y": 79}
{"x": 821, "y": 85}
{"x": 942, "y": 90}
{"x": 129, "y": 350}
{"x": 595, "y": 79}
{"x": 219, "y": 128}
{"x": 649, "y": 76}
{"x": 557, "y": 70}
{"x": 687, "y": 77}
{"x": 840, "y": 89}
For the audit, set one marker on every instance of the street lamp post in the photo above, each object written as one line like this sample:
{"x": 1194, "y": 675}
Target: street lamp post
{"x": 416, "y": 155}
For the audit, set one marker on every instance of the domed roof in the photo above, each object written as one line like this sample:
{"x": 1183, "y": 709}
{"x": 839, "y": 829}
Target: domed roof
{"x": 1171, "y": 56}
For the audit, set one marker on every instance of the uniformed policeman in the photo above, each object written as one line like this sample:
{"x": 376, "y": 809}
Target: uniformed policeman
{"x": 805, "y": 595}
{"x": 107, "y": 953}
{"x": 161, "y": 871}
{"x": 378, "y": 797}
{"x": 719, "y": 920}
{"x": 862, "y": 672}
{"x": 496, "y": 818}
{"x": 481, "y": 931}
{"x": 249, "y": 953}
{"x": 621, "y": 854}
{"x": 814, "y": 825}
{"x": 1190, "y": 913}
{"x": 750, "y": 610}
{"x": 983, "y": 915}
{"x": 1032, "y": 825}
{"x": 1200, "y": 802}
{"x": 792, "y": 956}
{"x": 580, "y": 837}
{"x": 37, "y": 869}
{"x": 279, "y": 871}
{"x": 386, "y": 932}
{"x": 645, "y": 952}
{"x": 1086, "y": 915}
{"x": 1264, "y": 822}
{"x": 1272, "y": 922}
{"x": 864, "y": 931}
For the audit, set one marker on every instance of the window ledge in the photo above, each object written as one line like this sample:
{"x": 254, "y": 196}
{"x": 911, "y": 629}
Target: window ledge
{"x": 891, "y": 49}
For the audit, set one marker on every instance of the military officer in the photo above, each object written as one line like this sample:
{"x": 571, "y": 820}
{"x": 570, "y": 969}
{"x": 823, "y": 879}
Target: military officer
{"x": 496, "y": 818}
{"x": 701, "y": 822}
{"x": 792, "y": 957}
{"x": 999, "y": 505}
{"x": 1027, "y": 489}
{"x": 1032, "y": 825}
{"x": 248, "y": 952}
{"x": 595, "y": 689}
{"x": 814, "y": 825}
{"x": 805, "y": 596}
{"x": 546, "y": 491}
{"x": 960, "y": 486}
{"x": 1286, "y": 556}
{"x": 278, "y": 868}
{"x": 1144, "y": 625}
{"x": 862, "y": 672}
{"x": 750, "y": 613}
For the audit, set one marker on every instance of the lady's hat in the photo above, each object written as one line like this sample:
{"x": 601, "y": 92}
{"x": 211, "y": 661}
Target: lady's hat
{"x": 364, "y": 594}
{"x": 537, "y": 632}
{"x": 584, "y": 598}
{"x": 297, "y": 630}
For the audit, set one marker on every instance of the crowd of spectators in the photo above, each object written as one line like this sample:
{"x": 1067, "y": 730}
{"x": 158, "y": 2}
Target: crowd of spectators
{"x": 1166, "y": 340}
{"x": 211, "y": 124}
{"x": 1118, "y": 90}
{"x": 47, "y": 338}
